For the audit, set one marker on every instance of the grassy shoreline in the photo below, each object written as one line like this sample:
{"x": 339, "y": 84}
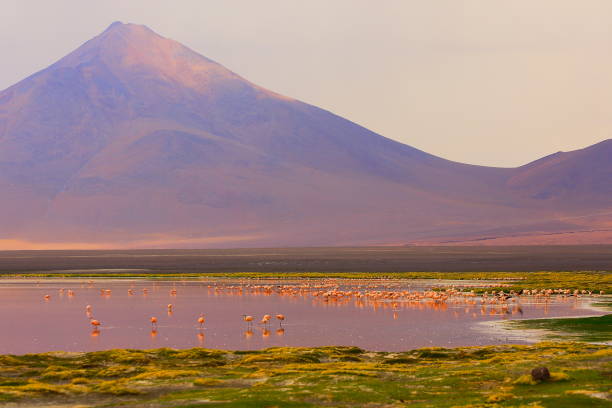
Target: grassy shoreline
{"x": 467, "y": 377}
{"x": 489, "y": 376}
{"x": 594, "y": 329}
{"x": 590, "y": 281}
{"x": 589, "y": 329}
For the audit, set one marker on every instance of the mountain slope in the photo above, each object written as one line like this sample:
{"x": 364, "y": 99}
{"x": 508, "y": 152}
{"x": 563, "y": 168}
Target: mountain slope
{"x": 136, "y": 140}
{"x": 583, "y": 176}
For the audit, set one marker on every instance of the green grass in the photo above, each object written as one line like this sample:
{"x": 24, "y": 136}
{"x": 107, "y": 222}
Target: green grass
{"x": 491, "y": 376}
{"x": 594, "y": 329}
{"x": 593, "y": 281}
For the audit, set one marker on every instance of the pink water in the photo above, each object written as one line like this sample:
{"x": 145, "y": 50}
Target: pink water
{"x": 31, "y": 324}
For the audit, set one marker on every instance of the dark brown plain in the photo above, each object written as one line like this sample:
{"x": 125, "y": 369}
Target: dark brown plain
{"x": 327, "y": 260}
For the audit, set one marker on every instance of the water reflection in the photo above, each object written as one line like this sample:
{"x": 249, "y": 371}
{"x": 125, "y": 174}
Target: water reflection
{"x": 397, "y": 314}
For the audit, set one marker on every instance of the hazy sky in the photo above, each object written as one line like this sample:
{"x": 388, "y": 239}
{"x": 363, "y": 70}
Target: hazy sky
{"x": 492, "y": 82}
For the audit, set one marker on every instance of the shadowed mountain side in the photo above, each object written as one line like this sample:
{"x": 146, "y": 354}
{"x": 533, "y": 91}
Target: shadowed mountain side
{"x": 581, "y": 177}
{"x": 134, "y": 139}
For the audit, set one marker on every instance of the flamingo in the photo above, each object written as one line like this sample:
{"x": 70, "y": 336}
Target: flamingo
{"x": 280, "y": 319}
{"x": 95, "y": 323}
{"x": 154, "y": 322}
{"x": 248, "y": 320}
{"x": 201, "y": 320}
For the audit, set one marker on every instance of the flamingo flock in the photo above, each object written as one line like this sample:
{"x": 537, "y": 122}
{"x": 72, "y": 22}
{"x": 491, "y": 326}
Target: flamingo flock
{"x": 379, "y": 294}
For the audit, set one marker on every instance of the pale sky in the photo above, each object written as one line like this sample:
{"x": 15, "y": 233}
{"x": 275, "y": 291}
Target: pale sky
{"x": 492, "y": 82}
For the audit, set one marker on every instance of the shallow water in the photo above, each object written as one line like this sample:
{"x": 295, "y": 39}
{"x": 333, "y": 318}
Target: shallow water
{"x": 31, "y": 324}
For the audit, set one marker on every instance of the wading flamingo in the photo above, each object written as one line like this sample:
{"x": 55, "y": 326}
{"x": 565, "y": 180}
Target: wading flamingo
{"x": 248, "y": 319}
{"x": 201, "y": 320}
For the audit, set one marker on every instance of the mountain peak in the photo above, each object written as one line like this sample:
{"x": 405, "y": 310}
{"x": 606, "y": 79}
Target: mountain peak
{"x": 121, "y": 28}
{"x": 115, "y": 25}
{"x": 137, "y": 53}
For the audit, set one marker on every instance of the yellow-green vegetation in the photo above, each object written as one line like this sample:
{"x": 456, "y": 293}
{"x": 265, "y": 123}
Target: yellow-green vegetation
{"x": 595, "y": 329}
{"x": 491, "y": 376}
{"x": 591, "y": 281}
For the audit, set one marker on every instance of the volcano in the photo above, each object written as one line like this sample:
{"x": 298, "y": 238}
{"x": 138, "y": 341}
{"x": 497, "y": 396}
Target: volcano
{"x": 135, "y": 141}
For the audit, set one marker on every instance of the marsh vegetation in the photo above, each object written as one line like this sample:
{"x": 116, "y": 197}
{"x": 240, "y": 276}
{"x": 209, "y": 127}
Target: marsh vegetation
{"x": 496, "y": 375}
{"x": 492, "y": 376}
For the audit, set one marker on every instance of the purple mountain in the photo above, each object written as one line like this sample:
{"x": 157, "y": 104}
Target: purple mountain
{"x": 134, "y": 140}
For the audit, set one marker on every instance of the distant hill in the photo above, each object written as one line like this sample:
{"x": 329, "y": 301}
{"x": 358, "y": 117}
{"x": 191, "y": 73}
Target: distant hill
{"x": 134, "y": 140}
